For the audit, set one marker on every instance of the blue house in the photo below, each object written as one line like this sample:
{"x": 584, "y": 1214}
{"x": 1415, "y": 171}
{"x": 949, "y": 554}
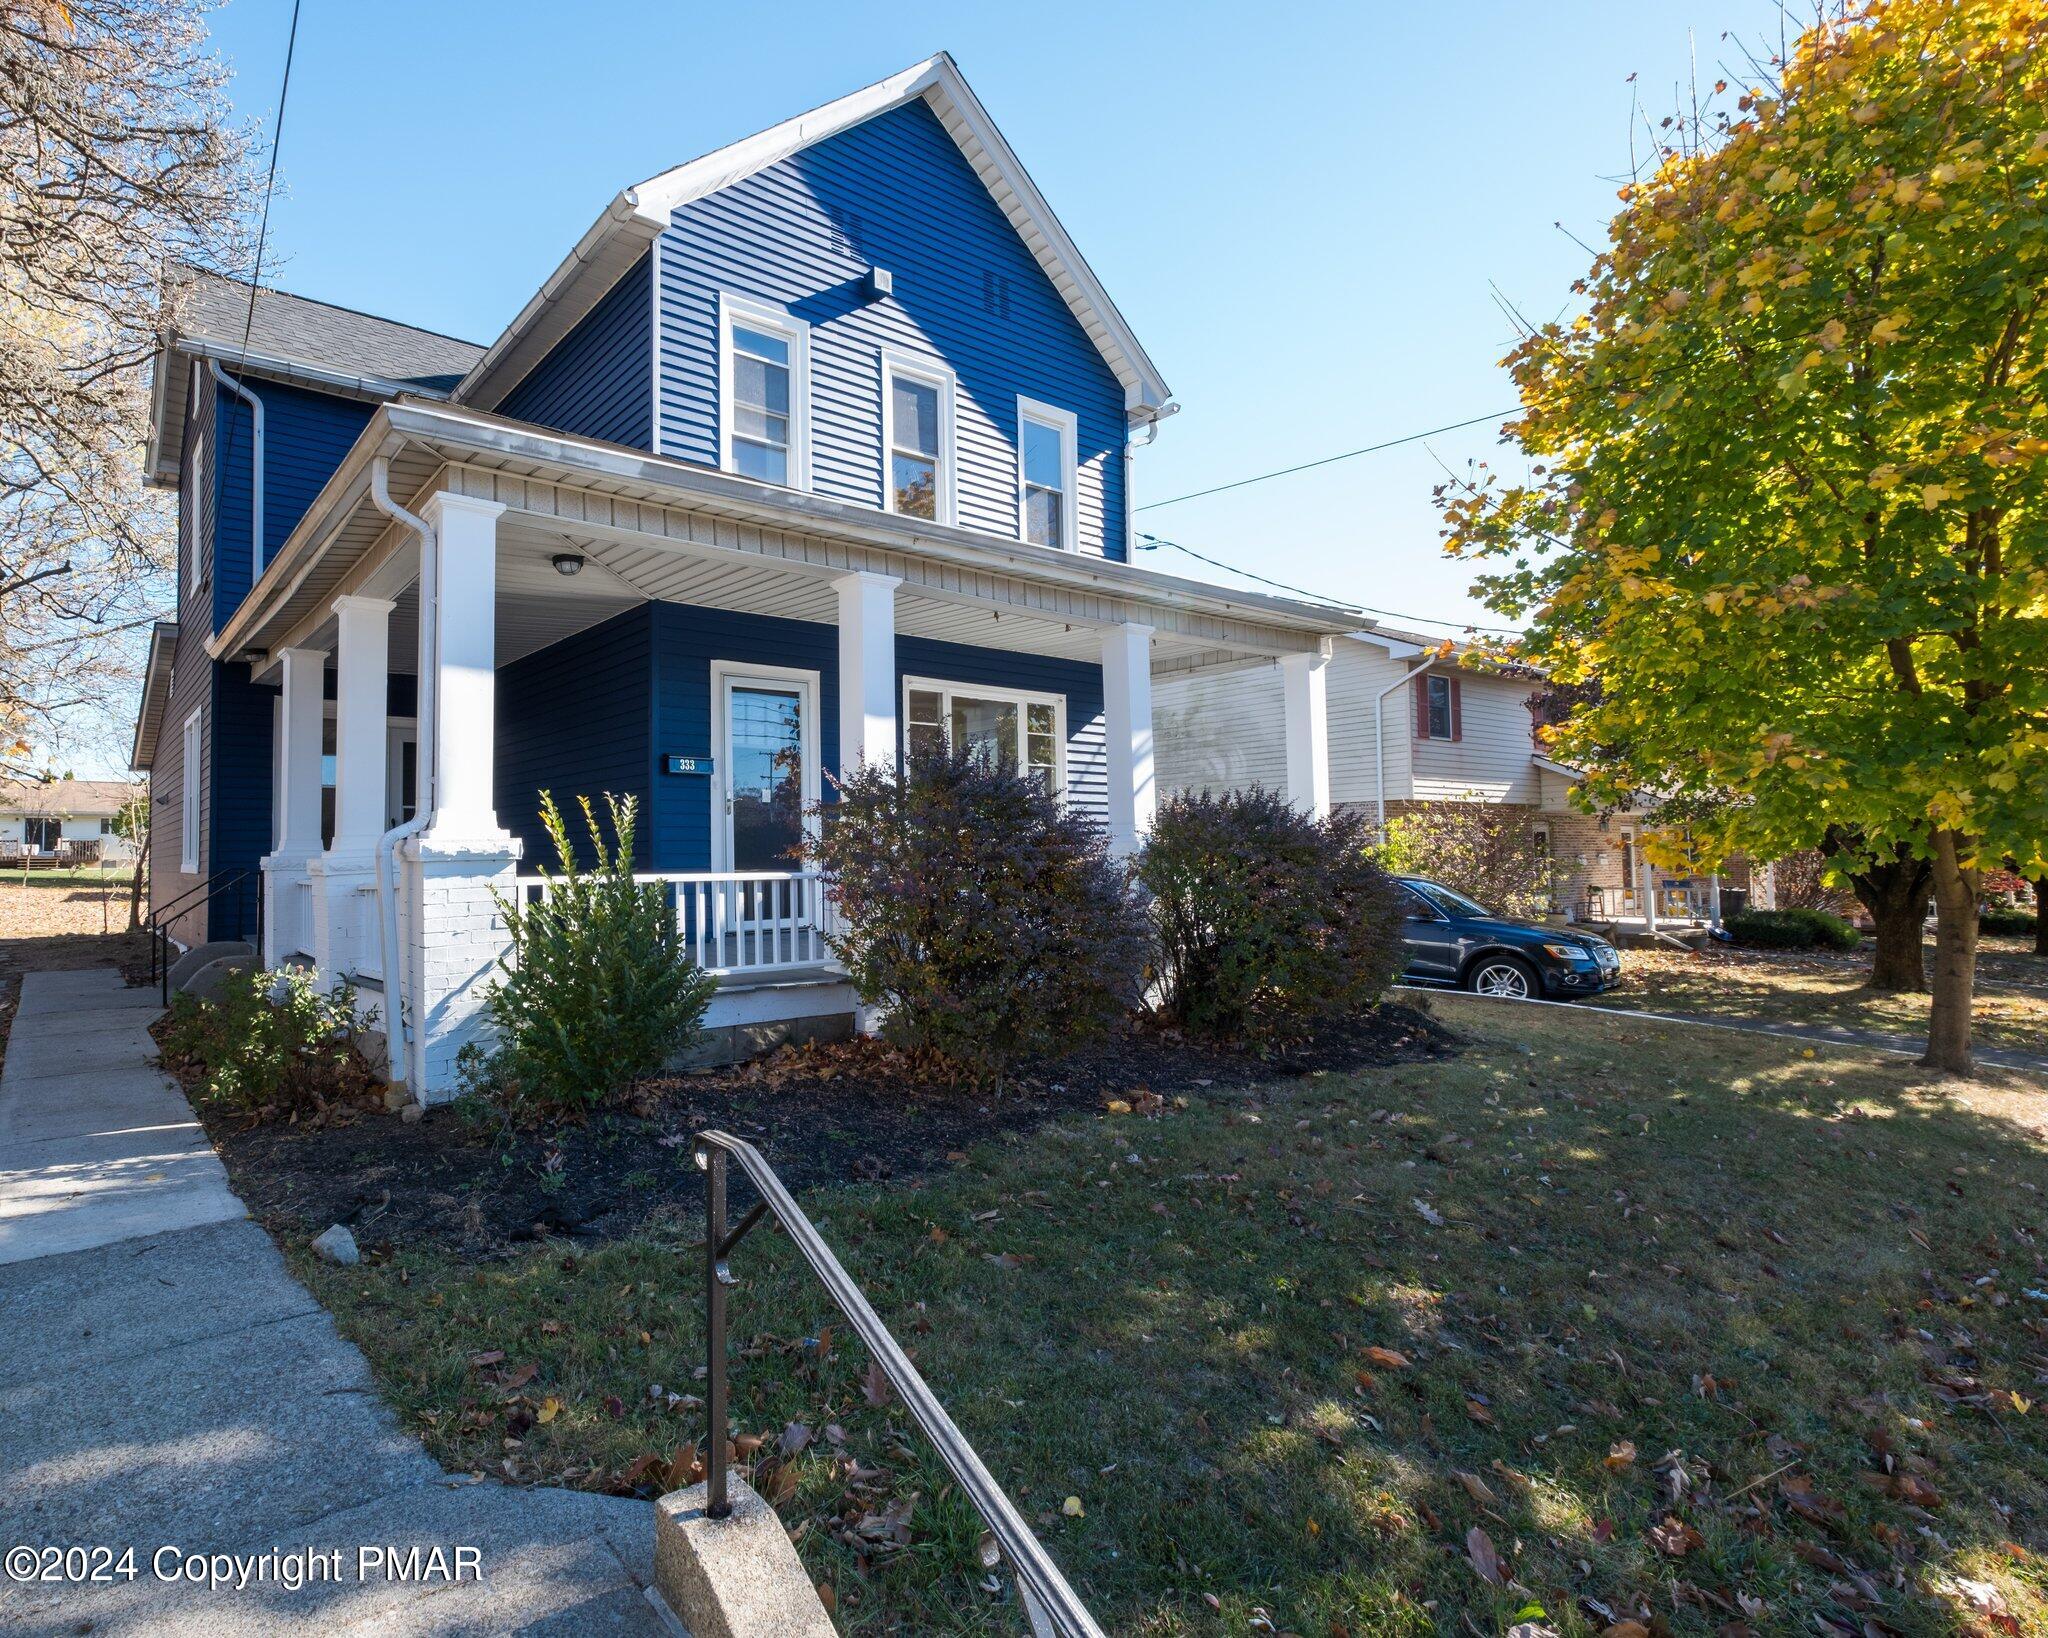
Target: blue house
{"x": 811, "y": 450}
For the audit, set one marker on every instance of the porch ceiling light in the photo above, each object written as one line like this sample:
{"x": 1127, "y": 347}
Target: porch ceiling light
{"x": 567, "y": 563}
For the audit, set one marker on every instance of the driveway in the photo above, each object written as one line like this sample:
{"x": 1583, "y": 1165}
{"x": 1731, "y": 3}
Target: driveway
{"x": 173, "y": 1396}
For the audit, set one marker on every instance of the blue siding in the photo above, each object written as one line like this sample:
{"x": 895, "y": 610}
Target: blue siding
{"x": 598, "y": 381}
{"x": 894, "y": 192}
{"x": 686, "y": 640}
{"x": 573, "y": 719}
{"x": 239, "y": 809}
{"x": 305, "y": 436}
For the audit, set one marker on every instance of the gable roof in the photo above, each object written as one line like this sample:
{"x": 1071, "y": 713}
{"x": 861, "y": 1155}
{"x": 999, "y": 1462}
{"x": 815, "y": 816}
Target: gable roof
{"x": 290, "y": 338}
{"x": 640, "y": 214}
{"x": 89, "y": 798}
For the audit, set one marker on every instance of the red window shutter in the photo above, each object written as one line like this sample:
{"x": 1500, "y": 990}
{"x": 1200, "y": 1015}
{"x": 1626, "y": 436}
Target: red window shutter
{"x": 1457, "y": 709}
{"x": 1421, "y": 690}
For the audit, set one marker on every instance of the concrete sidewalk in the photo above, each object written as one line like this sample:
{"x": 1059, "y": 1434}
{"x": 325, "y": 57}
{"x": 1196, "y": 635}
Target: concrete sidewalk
{"x": 167, "y": 1385}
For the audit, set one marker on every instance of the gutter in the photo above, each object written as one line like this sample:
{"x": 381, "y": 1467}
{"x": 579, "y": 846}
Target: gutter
{"x": 1379, "y": 737}
{"x": 312, "y": 375}
{"x": 228, "y": 383}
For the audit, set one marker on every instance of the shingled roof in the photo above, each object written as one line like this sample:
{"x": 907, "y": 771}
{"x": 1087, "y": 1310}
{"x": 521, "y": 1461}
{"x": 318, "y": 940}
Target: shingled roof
{"x": 334, "y": 349}
{"x": 305, "y": 331}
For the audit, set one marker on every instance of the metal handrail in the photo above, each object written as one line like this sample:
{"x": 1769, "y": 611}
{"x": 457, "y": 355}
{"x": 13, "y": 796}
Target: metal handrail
{"x": 157, "y": 923}
{"x": 1050, "y": 1602}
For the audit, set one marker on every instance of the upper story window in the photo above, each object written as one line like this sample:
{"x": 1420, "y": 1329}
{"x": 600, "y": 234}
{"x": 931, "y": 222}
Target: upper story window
{"x": 764, "y": 393}
{"x": 1046, "y": 440}
{"x": 1436, "y": 708}
{"x": 917, "y": 438}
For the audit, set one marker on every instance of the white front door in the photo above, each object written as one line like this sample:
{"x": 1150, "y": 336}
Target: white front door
{"x": 765, "y": 778}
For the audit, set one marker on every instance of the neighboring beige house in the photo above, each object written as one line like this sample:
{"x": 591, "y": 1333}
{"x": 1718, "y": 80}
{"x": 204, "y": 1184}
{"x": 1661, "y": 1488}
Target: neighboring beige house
{"x": 63, "y": 821}
{"x": 1409, "y": 727}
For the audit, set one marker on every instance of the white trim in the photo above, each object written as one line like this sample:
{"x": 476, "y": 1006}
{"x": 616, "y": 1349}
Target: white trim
{"x": 948, "y": 690}
{"x": 1068, "y": 426}
{"x": 724, "y": 674}
{"x": 762, "y": 315}
{"x": 934, "y": 374}
{"x": 654, "y": 347}
{"x": 190, "y": 816}
{"x": 192, "y": 489}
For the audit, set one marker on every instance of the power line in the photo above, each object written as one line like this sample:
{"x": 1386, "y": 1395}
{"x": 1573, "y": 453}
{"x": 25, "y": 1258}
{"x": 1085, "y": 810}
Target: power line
{"x": 291, "y": 46}
{"x": 1147, "y": 543}
{"x": 1327, "y": 460}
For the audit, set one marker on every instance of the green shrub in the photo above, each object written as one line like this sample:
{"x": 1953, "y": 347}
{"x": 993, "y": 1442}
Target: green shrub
{"x": 598, "y": 990}
{"x": 1267, "y": 922}
{"x": 270, "y": 1045}
{"x": 986, "y": 919}
{"x": 1791, "y": 930}
{"x": 2006, "y": 919}
{"x": 1484, "y": 850}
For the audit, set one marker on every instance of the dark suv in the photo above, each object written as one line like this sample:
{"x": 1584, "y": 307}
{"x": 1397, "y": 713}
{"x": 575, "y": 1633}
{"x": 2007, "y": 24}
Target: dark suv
{"x": 1451, "y": 940}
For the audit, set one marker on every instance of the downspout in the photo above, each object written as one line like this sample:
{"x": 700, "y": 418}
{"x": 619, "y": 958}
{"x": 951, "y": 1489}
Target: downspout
{"x": 398, "y": 1030}
{"x": 228, "y": 383}
{"x": 1379, "y": 739}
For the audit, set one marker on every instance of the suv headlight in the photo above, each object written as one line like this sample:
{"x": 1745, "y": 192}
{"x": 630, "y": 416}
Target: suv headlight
{"x": 1569, "y": 952}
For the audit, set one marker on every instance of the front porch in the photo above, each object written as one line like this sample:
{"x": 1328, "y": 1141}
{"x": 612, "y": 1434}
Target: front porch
{"x": 648, "y": 632}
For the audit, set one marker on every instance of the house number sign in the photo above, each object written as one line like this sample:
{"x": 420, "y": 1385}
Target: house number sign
{"x": 686, "y": 764}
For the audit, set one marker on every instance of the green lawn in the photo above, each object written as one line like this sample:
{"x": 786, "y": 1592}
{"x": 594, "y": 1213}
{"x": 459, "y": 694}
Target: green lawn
{"x": 1690, "y": 1325}
{"x": 2010, "y": 1009}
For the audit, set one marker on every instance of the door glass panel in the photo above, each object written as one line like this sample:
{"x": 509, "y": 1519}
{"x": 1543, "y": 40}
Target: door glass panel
{"x": 766, "y": 753}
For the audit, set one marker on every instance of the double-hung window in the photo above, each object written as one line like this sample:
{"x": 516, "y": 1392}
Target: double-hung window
{"x": 1046, "y": 440}
{"x": 764, "y": 372}
{"x": 1436, "y": 708}
{"x": 1000, "y": 725}
{"x": 917, "y": 438}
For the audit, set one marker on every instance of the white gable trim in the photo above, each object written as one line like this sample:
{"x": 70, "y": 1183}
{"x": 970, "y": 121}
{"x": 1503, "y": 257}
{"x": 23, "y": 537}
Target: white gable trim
{"x": 640, "y": 213}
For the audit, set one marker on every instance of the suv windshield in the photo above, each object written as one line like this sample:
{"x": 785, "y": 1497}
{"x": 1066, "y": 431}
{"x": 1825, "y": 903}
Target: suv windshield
{"x": 1455, "y": 904}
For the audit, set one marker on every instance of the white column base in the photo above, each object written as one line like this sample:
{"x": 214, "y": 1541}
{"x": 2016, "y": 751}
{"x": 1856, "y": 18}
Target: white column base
{"x": 287, "y": 906}
{"x": 343, "y": 891}
{"x": 454, "y": 937}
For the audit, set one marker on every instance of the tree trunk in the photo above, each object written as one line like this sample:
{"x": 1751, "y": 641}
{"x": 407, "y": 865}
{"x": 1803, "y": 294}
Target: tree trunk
{"x": 135, "y": 886}
{"x": 1895, "y": 891}
{"x": 2041, "y": 915}
{"x": 1955, "y": 958}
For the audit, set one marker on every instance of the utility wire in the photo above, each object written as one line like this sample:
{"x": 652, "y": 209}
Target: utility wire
{"x": 1327, "y": 460}
{"x": 291, "y": 46}
{"x": 1148, "y": 543}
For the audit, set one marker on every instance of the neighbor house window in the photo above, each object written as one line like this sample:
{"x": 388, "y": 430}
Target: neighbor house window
{"x": 1436, "y": 708}
{"x": 917, "y": 438}
{"x": 189, "y": 775}
{"x": 1000, "y": 725}
{"x": 43, "y": 835}
{"x": 1046, "y": 439}
{"x": 764, "y": 393}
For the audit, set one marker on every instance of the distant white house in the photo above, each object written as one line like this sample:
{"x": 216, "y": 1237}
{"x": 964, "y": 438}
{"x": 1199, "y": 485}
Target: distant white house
{"x": 1411, "y": 727}
{"x": 62, "y": 820}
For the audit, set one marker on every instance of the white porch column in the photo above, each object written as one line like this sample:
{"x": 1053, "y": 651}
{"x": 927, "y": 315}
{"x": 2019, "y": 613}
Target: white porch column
{"x": 344, "y": 880}
{"x": 1714, "y": 900}
{"x": 287, "y": 914}
{"x": 451, "y": 931}
{"x": 867, "y": 670}
{"x": 1127, "y": 729}
{"x": 1646, "y": 890}
{"x": 1305, "y": 707}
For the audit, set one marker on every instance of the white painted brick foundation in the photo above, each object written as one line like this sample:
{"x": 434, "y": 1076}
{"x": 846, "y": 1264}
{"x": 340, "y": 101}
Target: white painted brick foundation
{"x": 455, "y": 937}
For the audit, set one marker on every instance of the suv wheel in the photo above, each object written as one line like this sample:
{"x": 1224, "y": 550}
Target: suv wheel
{"x": 1510, "y": 977}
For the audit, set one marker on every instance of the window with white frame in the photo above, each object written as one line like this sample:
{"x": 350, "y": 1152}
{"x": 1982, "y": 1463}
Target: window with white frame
{"x": 1046, "y": 441}
{"x": 1439, "y": 712}
{"x": 189, "y": 777}
{"x": 1002, "y": 725}
{"x": 764, "y": 370}
{"x": 917, "y": 438}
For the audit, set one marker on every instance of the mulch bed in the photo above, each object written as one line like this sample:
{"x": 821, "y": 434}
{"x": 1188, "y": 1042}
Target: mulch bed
{"x": 462, "y": 1179}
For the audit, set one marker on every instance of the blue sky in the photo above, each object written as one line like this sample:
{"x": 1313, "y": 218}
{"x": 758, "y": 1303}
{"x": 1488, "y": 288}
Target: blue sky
{"x": 1300, "y": 209}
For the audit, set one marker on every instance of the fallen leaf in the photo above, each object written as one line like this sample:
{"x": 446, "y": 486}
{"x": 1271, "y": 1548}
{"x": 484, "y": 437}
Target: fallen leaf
{"x": 1479, "y": 1413}
{"x": 1673, "y": 1537}
{"x": 1625, "y": 1629}
{"x": 1620, "y": 1455}
{"x": 1073, "y": 1509}
{"x": 1477, "y": 1488}
{"x": 1428, "y": 1213}
{"x": 1485, "y": 1559}
{"x": 828, "y": 1597}
{"x": 874, "y": 1387}
{"x": 550, "y": 1408}
{"x": 1390, "y": 1359}
{"x": 794, "y": 1438}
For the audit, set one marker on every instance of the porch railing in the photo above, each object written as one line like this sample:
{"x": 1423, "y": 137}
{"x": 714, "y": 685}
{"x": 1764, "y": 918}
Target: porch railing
{"x": 740, "y": 922}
